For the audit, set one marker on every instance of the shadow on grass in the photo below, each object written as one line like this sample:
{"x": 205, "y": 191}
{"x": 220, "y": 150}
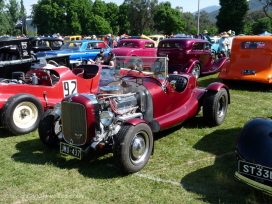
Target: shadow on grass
{"x": 193, "y": 123}
{"x": 235, "y": 84}
{"x": 5, "y": 133}
{"x": 248, "y": 86}
{"x": 99, "y": 164}
{"x": 216, "y": 183}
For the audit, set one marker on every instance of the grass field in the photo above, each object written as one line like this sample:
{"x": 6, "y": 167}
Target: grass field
{"x": 191, "y": 163}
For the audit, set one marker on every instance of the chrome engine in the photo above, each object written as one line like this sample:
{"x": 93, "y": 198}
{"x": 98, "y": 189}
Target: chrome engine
{"x": 110, "y": 108}
{"x": 115, "y": 108}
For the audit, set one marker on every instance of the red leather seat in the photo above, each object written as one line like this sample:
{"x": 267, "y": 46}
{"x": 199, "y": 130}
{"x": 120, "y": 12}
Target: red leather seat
{"x": 78, "y": 71}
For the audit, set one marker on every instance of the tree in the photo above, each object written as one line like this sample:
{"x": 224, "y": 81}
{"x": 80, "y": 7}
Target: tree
{"x": 71, "y": 15}
{"x": 111, "y": 16}
{"x": 4, "y": 26}
{"x": 123, "y": 21}
{"x": 168, "y": 20}
{"x": 231, "y": 15}
{"x": 13, "y": 9}
{"x": 190, "y": 27}
{"x": 141, "y": 13}
{"x": 263, "y": 24}
{"x": 99, "y": 8}
{"x": 266, "y": 5}
{"x": 99, "y": 25}
{"x": 85, "y": 8}
{"x": 204, "y": 22}
{"x": 253, "y": 16}
{"x": 65, "y": 17}
{"x": 22, "y": 9}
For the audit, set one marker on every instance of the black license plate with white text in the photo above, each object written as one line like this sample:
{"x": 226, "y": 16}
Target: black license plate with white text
{"x": 255, "y": 170}
{"x": 249, "y": 71}
{"x": 70, "y": 150}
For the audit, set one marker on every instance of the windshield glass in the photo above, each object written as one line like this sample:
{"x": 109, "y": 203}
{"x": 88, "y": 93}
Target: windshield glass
{"x": 155, "y": 67}
{"x": 72, "y": 46}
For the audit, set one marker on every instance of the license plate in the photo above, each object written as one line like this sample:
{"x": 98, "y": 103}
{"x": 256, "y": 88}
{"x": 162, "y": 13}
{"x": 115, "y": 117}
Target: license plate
{"x": 249, "y": 71}
{"x": 70, "y": 150}
{"x": 255, "y": 170}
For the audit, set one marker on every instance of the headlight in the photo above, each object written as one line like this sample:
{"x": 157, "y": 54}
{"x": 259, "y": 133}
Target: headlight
{"x": 106, "y": 118}
{"x": 57, "y": 108}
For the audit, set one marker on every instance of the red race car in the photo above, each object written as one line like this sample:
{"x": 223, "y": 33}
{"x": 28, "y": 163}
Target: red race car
{"x": 25, "y": 96}
{"x": 126, "y": 113}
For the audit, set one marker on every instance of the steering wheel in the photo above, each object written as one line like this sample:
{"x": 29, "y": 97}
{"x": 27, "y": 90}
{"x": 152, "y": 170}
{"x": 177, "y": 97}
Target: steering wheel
{"x": 53, "y": 62}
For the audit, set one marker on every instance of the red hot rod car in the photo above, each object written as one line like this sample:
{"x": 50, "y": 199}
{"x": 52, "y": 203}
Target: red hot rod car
{"x": 124, "y": 115}
{"x": 26, "y": 95}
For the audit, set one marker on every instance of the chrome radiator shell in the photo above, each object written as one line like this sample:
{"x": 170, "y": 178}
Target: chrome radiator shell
{"x": 74, "y": 123}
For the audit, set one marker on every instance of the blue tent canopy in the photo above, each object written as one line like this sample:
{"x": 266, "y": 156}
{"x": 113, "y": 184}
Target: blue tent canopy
{"x": 265, "y": 33}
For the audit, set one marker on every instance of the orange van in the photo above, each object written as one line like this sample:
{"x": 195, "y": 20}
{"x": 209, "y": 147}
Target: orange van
{"x": 250, "y": 60}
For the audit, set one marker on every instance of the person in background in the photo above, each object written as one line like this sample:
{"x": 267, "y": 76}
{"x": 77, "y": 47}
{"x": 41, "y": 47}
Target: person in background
{"x": 99, "y": 59}
{"x": 110, "y": 40}
{"x": 94, "y": 37}
{"x": 59, "y": 36}
{"x": 205, "y": 35}
{"x": 231, "y": 36}
{"x": 223, "y": 44}
{"x": 109, "y": 59}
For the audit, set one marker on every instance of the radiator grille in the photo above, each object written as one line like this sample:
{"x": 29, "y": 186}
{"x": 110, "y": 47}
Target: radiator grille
{"x": 74, "y": 124}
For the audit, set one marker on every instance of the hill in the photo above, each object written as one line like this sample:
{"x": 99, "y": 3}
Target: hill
{"x": 254, "y": 5}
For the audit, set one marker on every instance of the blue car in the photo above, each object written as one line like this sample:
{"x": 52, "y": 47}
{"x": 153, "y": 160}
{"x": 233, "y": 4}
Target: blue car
{"x": 79, "y": 50}
{"x": 215, "y": 45}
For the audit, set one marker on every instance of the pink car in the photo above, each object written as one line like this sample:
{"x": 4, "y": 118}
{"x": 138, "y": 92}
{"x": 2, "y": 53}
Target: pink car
{"x": 136, "y": 48}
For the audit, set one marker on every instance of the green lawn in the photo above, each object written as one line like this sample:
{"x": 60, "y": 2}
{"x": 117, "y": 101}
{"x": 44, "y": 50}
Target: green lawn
{"x": 191, "y": 163}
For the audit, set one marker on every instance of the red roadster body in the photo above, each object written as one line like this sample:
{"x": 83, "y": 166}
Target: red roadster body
{"x": 126, "y": 113}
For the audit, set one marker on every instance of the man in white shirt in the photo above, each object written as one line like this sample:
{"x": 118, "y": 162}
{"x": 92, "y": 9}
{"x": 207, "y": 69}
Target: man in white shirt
{"x": 231, "y": 36}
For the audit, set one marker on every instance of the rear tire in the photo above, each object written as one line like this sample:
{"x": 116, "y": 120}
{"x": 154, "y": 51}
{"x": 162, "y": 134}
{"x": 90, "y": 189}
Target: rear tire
{"x": 21, "y": 113}
{"x": 215, "y": 107}
{"x": 133, "y": 147}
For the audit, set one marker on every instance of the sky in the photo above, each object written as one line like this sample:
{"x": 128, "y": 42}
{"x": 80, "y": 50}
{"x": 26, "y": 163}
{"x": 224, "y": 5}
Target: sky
{"x": 188, "y": 5}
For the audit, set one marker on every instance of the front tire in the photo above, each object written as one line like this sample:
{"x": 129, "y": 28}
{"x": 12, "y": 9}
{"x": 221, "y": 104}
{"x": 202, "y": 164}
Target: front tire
{"x": 49, "y": 127}
{"x": 133, "y": 147}
{"x": 21, "y": 113}
{"x": 215, "y": 107}
{"x": 196, "y": 71}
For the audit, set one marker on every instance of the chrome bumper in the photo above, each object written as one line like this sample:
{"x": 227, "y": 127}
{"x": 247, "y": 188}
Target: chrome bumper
{"x": 262, "y": 187}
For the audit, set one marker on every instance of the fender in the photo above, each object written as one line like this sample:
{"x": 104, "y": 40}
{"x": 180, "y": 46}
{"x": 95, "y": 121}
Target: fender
{"x": 218, "y": 64}
{"x": 189, "y": 66}
{"x": 254, "y": 143}
{"x": 136, "y": 121}
{"x": 216, "y": 86}
{"x": 224, "y": 71}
